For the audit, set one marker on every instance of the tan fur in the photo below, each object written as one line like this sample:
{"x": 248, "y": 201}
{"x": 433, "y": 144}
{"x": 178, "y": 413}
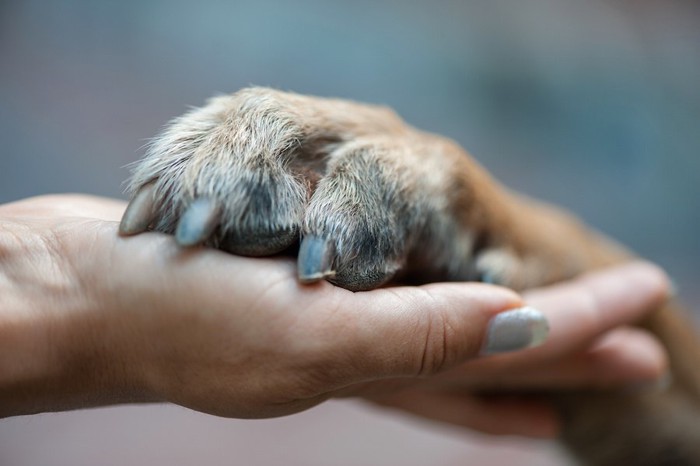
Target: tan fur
{"x": 397, "y": 203}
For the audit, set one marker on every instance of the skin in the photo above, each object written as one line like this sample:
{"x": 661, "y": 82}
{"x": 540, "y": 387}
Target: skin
{"x": 89, "y": 318}
{"x": 376, "y": 201}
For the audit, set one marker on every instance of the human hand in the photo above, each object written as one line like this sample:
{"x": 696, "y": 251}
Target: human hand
{"x": 90, "y": 318}
{"x": 590, "y": 346}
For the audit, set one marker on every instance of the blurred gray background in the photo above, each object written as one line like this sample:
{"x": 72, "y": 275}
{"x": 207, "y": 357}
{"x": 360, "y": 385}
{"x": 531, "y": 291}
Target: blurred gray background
{"x": 593, "y": 104}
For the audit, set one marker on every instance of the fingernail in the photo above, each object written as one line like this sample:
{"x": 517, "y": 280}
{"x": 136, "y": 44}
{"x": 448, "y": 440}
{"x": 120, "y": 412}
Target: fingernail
{"x": 514, "y": 330}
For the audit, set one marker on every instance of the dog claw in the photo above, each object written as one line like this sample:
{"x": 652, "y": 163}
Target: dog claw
{"x": 140, "y": 212}
{"x": 198, "y": 222}
{"x": 315, "y": 259}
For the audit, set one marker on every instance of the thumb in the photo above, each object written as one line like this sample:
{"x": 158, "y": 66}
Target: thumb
{"x": 415, "y": 331}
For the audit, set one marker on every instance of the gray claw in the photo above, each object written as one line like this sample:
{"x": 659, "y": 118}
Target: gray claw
{"x": 315, "y": 259}
{"x": 140, "y": 212}
{"x": 198, "y": 222}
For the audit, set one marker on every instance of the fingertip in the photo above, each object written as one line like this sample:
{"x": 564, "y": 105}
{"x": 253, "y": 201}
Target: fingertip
{"x": 648, "y": 278}
{"x": 515, "y": 330}
{"x": 585, "y": 308}
{"x": 630, "y": 357}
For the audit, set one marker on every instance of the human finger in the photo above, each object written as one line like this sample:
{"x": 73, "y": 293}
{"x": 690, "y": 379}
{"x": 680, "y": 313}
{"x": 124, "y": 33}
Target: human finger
{"x": 491, "y": 415}
{"x": 409, "y": 331}
{"x": 624, "y": 357}
{"x": 581, "y": 310}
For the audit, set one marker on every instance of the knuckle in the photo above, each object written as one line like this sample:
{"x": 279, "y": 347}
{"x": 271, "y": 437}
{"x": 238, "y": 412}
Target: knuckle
{"x": 438, "y": 351}
{"x": 434, "y": 352}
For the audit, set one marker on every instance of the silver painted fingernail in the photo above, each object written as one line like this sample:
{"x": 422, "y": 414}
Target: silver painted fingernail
{"x": 315, "y": 259}
{"x": 514, "y": 330}
{"x": 140, "y": 212}
{"x": 198, "y": 222}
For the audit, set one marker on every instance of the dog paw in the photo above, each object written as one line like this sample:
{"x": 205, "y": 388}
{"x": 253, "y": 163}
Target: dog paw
{"x": 255, "y": 172}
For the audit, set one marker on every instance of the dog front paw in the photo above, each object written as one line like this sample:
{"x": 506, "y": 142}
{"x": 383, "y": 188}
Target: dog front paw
{"x": 370, "y": 198}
